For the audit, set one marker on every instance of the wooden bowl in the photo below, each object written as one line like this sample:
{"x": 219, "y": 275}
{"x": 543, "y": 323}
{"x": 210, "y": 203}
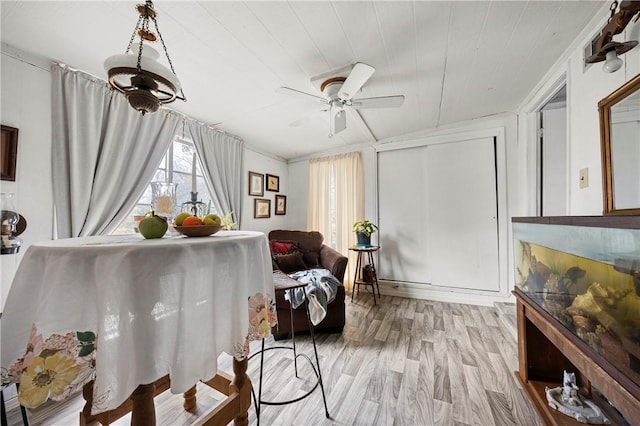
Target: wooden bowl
{"x": 198, "y": 230}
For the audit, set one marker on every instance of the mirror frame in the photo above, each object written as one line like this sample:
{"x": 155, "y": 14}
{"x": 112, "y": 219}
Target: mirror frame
{"x": 604, "y": 108}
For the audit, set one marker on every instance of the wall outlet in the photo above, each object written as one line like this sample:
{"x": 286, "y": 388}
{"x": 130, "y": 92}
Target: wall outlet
{"x": 584, "y": 178}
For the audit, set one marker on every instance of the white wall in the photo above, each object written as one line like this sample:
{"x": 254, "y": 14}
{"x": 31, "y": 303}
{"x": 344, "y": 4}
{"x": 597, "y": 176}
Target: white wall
{"x": 554, "y": 163}
{"x": 255, "y": 161}
{"x": 26, "y": 105}
{"x": 298, "y": 195}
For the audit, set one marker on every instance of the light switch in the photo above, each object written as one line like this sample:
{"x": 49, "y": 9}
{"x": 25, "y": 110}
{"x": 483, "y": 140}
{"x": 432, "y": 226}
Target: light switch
{"x": 584, "y": 178}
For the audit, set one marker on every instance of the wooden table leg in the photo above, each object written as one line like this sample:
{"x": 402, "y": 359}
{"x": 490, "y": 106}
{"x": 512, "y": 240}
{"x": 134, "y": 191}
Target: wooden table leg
{"x": 240, "y": 381}
{"x": 143, "y": 412}
{"x": 189, "y": 403}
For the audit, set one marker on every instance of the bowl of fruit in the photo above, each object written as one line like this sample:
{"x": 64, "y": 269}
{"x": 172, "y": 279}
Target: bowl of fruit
{"x": 193, "y": 226}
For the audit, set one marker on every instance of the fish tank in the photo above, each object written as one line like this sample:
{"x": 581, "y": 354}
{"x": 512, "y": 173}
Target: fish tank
{"x": 587, "y": 278}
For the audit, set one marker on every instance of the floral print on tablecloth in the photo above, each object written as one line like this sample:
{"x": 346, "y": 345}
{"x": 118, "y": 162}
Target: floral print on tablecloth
{"x": 262, "y": 316}
{"x": 62, "y": 364}
{"x": 53, "y": 368}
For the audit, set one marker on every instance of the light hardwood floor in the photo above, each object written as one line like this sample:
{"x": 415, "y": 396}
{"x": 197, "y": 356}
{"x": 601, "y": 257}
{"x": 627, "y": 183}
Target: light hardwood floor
{"x": 402, "y": 362}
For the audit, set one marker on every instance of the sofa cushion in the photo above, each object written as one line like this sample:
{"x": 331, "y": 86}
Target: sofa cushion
{"x": 309, "y": 243}
{"x": 282, "y": 247}
{"x": 290, "y": 262}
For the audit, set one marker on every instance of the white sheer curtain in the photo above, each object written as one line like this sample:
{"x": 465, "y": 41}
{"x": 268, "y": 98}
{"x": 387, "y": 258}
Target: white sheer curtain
{"x": 104, "y": 153}
{"x": 319, "y": 217}
{"x": 337, "y": 210}
{"x": 221, "y": 156}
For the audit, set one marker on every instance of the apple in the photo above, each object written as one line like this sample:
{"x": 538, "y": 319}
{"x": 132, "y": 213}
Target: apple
{"x": 181, "y": 217}
{"x": 153, "y": 226}
{"x": 212, "y": 219}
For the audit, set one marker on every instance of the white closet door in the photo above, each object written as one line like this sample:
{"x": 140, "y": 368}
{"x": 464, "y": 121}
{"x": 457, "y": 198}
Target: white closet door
{"x": 462, "y": 240}
{"x": 438, "y": 215}
{"x": 402, "y": 204}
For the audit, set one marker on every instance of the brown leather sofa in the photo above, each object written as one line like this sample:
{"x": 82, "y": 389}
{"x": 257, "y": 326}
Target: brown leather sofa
{"x": 315, "y": 254}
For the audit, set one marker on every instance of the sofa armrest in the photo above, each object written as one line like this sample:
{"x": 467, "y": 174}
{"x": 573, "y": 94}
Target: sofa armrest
{"x": 333, "y": 261}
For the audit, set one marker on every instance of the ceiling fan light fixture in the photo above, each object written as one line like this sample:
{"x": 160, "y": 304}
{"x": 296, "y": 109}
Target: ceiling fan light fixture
{"x": 613, "y": 62}
{"x": 145, "y": 82}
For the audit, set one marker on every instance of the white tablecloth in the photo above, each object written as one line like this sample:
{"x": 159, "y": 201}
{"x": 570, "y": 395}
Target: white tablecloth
{"x": 154, "y": 307}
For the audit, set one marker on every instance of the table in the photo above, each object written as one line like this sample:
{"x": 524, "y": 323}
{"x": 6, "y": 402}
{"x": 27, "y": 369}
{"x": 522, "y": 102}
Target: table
{"x": 358, "y": 279}
{"x": 116, "y": 312}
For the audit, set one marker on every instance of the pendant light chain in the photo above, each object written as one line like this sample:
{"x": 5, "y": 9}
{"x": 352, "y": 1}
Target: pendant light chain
{"x": 133, "y": 35}
{"x": 613, "y": 8}
{"x": 164, "y": 46}
{"x": 166, "y": 52}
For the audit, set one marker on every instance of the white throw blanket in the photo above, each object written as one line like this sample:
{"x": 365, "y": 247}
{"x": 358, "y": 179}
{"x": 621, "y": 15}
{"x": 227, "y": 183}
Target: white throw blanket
{"x": 321, "y": 288}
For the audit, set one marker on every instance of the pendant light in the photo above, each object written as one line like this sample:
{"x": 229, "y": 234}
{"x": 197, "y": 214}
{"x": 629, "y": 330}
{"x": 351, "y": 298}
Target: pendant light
{"x": 608, "y": 50}
{"x": 144, "y": 81}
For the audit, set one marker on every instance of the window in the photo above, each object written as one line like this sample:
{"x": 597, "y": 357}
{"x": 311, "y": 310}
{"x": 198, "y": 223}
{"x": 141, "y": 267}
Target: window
{"x": 175, "y": 167}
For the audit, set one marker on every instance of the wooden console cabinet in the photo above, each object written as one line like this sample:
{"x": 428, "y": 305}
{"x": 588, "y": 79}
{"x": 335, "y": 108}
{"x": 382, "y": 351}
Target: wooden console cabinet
{"x": 546, "y": 348}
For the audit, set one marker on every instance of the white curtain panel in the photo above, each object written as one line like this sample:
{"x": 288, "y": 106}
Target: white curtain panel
{"x": 319, "y": 211}
{"x": 349, "y": 177}
{"x": 342, "y": 205}
{"x": 221, "y": 156}
{"x": 104, "y": 153}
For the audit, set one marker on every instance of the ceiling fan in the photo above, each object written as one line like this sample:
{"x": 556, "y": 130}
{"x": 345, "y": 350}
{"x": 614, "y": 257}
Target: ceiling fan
{"x": 338, "y": 94}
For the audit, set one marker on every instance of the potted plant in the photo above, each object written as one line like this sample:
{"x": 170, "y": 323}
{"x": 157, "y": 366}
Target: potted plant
{"x": 363, "y": 230}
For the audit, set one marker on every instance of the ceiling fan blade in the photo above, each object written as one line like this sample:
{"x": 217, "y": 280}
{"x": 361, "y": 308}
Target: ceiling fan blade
{"x": 381, "y": 102}
{"x": 356, "y": 79}
{"x": 299, "y": 94}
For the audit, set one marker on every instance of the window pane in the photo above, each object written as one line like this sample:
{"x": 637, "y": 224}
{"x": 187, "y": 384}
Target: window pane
{"x": 182, "y": 157}
{"x": 183, "y": 190}
{"x": 180, "y": 154}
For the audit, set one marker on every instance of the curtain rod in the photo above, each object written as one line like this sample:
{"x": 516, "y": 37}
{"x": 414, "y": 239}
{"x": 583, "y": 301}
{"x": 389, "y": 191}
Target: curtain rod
{"x": 210, "y": 126}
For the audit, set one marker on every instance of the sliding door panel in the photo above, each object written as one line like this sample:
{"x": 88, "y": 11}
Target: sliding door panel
{"x": 401, "y": 214}
{"x": 462, "y": 241}
{"x": 438, "y": 215}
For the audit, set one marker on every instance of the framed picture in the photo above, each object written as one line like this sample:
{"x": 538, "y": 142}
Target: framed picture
{"x": 281, "y": 205}
{"x": 256, "y": 184}
{"x": 273, "y": 183}
{"x": 261, "y": 208}
{"x": 9, "y": 150}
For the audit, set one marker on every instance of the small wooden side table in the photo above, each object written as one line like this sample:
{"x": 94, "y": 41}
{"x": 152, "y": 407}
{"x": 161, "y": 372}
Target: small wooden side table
{"x": 358, "y": 279}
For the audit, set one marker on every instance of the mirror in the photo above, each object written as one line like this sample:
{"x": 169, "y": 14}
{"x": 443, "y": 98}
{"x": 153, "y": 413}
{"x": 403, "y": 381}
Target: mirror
{"x": 620, "y": 145}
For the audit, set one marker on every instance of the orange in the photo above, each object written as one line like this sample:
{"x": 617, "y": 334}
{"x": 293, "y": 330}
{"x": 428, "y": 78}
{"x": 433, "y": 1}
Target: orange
{"x": 192, "y": 221}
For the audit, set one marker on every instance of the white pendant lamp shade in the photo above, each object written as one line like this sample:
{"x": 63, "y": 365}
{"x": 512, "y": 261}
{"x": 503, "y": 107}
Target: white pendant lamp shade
{"x": 148, "y": 63}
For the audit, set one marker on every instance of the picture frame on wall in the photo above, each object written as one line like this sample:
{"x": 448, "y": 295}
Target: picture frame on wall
{"x": 9, "y": 151}
{"x": 256, "y": 184}
{"x": 281, "y": 205}
{"x": 261, "y": 208}
{"x": 273, "y": 183}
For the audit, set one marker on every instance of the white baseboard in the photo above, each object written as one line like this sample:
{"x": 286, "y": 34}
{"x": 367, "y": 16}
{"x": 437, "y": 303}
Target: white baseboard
{"x": 441, "y": 294}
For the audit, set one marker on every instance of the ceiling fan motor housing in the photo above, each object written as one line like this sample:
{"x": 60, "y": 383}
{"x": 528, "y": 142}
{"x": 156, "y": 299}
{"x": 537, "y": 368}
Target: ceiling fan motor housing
{"x": 331, "y": 87}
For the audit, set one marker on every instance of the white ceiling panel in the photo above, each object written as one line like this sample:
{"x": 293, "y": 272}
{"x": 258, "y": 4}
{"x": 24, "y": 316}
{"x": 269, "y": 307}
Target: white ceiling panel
{"x": 453, "y": 60}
